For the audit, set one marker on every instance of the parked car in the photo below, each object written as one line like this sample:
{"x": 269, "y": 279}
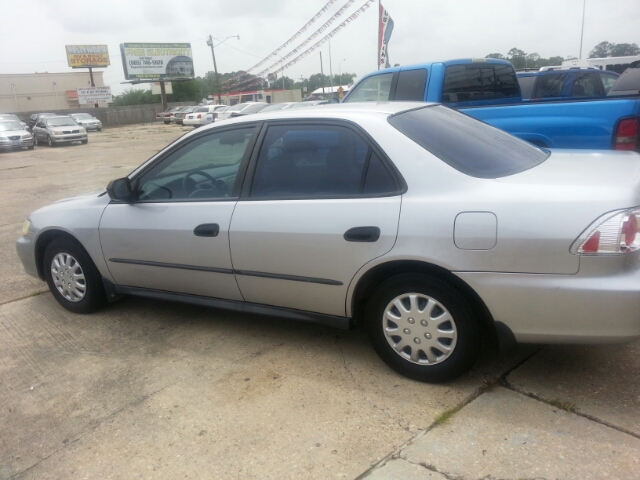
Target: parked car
{"x": 241, "y": 109}
{"x": 58, "y": 130}
{"x": 214, "y": 116}
{"x": 13, "y": 135}
{"x": 178, "y": 117}
{"x": 89, "y": 122}
{"x": 425, "y": 226}
{"x": 10, "y": 116}
{"x": 278, "y": 106}
{"x": 167, "y": 114}
{"x": 566, "y": 83}
{"x": 198, "y": 117}
{"x": 597, "y": 123}
{"x": 34, "y": 117}
{"x": 628, "y": 83}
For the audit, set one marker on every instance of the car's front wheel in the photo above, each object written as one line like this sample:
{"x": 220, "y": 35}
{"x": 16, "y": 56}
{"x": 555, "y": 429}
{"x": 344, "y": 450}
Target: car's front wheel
{"x": 423, "y": 327}
{"x": 50, "y": 142}
{"x": 72, "y": 277}
{"x": 84, "y": 142}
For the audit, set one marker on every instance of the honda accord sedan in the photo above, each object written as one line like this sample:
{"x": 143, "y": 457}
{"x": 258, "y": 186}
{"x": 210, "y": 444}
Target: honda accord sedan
{"x": 428, "y": 228}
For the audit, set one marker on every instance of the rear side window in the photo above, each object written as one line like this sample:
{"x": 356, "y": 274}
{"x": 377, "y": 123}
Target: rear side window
{"x": 465, "y": 83}
{"x": 550, "y": 85}
{"x": 629, "y": 80}
{"x": 373, "y": 89}
{"x": 411, "y": 85}
{"x": 471, "y": 147}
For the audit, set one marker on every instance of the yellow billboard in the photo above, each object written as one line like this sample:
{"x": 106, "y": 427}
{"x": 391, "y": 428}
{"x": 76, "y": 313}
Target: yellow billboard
{"x": 85, "y": 56}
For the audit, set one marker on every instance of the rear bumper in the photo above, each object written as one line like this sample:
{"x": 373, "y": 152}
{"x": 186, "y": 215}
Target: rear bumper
{"x": 587, "y": 308}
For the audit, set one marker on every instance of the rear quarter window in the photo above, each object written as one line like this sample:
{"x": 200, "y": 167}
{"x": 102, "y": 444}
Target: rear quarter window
{"x": 468, "y": 145}
{"x": 465, "y": 83}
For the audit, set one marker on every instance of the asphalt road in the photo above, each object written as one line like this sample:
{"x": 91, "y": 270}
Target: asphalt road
{"x": 149, "y": 389}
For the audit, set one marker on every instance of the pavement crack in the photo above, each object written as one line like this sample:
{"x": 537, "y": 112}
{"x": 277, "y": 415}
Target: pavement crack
{"x": 574, "y": 410}
{"x": 33, "y": 294}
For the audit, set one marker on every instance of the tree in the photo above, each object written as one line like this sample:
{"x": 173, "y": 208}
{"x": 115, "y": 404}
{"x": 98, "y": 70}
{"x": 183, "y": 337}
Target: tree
{"x": 133, "y": 96}
{"x": 495, "y": 55}
{"x": 189, "y": 91}
{"x": 606, "y": 49}
{"x": 517, "y": 58}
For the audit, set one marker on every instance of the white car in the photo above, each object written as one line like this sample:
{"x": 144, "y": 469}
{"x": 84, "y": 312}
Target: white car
{"x": 241, "y": 109}
{"x": 202, "y": 115}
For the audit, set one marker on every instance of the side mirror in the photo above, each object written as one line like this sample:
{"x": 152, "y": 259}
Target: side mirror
{"x": 120, "y": 189}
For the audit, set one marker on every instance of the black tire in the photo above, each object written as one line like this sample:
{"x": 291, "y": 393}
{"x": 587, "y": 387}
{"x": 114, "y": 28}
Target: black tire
{"x": 84, "y": 142}
{"x": 100, "y": 129}
{"x": 31, "y": 147}
{"x": 466, "y": 336}
{"x": 35, "y": 141}
{"x": 94, "y": 296}
{"x": 167, "y": 123}
{"x": 50, "y": 142}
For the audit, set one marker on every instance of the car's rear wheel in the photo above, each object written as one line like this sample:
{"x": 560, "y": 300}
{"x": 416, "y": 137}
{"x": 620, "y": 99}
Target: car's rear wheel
{"x": 72, "y": 277}
{"x": 423, "y": 327}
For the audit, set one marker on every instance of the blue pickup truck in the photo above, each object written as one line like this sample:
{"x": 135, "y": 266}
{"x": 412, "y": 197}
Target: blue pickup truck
{"x": 487, "y": 89}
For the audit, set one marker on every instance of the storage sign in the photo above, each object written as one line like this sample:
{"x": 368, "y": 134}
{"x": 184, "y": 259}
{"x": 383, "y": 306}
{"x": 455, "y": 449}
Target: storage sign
{"x": 85, "y": 56}
{"x": 91, "y": 95}
{"x": 156, "y": 61}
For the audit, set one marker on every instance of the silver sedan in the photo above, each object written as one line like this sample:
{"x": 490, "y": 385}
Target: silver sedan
{"x": 428, "y": 228}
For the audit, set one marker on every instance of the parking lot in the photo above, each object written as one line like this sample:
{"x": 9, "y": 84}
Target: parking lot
{"x": 148, "y": 389}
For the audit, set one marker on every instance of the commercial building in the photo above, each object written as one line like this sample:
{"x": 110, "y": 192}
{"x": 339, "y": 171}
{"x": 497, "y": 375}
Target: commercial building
{"x": 30, "y": 92}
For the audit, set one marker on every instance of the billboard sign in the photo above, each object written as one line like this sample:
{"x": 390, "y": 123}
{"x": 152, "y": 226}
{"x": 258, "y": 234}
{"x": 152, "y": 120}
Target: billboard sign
{"x": 157, "y": 61}
{"x": 91, "y": 95}
{"x": 85, "y": 56}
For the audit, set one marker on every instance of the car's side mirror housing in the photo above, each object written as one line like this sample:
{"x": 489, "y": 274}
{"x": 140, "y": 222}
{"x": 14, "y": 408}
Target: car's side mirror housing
{"x": 120, "y": 189}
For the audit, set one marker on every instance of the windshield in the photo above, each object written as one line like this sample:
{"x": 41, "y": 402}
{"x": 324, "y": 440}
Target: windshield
{"x": 468, "y": 145}
{"x": 7, "y": 126}
{"x": 276, "y": 106}
{"x": 82, "y": 116}
{"x": 5, "y": 117}
{"x": 61, "y": 122}
{"x": 201, "y": 109}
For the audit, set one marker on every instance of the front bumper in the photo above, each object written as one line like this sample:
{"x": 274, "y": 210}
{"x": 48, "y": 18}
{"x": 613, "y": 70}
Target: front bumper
{"x": 92, "y": 126}
{"x": 597, "y": 305}
{"x": 23, "y": 142}
{"x": 26, "y": 247}
{"x": 68, "y": 138}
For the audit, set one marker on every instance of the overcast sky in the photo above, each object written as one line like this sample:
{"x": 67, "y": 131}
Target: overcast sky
{"x": 34, "y": 32}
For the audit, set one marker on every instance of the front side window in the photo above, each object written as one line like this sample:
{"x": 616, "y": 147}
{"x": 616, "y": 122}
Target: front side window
{"x": 205, "y": 168}
{"x": 317, "y": 161}
{"x": 373, "y": 89}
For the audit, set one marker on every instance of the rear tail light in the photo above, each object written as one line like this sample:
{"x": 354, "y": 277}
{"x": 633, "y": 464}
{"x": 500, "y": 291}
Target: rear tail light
{"x": 626, "y": 135}
{"x": 613, "y": 233}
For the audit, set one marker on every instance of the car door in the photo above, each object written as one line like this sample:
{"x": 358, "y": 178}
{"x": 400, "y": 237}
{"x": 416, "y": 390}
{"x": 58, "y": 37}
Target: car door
{"x": 174, "y": 235}
{"x": 322, "y": 202}
{"x": 39, "y": 130}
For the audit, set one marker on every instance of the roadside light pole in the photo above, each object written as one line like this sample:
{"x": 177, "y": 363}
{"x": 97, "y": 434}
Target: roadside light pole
{"x": 339, "y": 70}
{"x": 215, "y": 66}
{"x": 584, "y": 5}
{"x": 13, "y": 87}
{"x": 55, "y": 91}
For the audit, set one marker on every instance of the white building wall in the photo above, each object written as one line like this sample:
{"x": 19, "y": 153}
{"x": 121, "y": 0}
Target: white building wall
{"x": 36, "y": 91}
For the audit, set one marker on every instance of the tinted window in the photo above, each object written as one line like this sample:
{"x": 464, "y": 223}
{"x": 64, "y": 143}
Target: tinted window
{"x": 526, "y": 86}
{"x": 586, "y": 85}
{"x": 463, "y": 83}
{"x": 549, "y": 85}
{"x": 411, "y": 85}
{"x": 378, "y": 179}
{"x": 311, "y": 161}
{"x": 469, "y": 146}
{"x": 372, "y": 89}
{"x": 204, "y": 168}
{"x": 629, "y": 80}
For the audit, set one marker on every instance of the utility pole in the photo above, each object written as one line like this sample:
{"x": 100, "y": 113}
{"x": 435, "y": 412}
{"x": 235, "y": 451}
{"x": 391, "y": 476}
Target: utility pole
{"x": 15, "y": 97}
{"x": 215, "y": 68}
{"x": 330, "y": 70}
{"x": 322, "y": 76}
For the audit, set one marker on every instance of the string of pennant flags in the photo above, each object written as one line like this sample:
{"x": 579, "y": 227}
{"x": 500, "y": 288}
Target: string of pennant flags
{"x": 295, "y": 56}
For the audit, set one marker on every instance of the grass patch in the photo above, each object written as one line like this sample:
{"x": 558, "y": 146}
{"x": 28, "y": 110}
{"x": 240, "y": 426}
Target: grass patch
{"x": 444, "y": 416}
{"x": 566, "y": 406}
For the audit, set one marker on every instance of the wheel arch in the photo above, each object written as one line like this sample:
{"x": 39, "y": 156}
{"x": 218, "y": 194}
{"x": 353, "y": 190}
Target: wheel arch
{"x": 44, "y": 239}
{"x": 372, "y": 278}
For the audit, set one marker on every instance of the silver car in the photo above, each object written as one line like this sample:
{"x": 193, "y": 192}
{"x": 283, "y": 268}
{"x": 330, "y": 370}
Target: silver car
{"x": 89, "y": 122}
{"x": 428, "y": 228}
{"x": 54, "y": 131}
{"x": 14, "y": 135}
